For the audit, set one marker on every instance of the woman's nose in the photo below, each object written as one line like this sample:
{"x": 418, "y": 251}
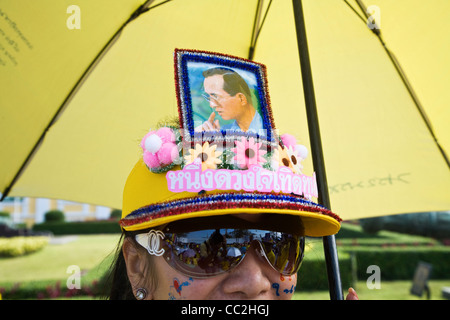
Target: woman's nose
{"x": 250, "y": 279}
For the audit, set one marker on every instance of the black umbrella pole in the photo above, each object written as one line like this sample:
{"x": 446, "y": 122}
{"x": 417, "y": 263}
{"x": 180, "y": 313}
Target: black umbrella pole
{"x": 329, "y": 243}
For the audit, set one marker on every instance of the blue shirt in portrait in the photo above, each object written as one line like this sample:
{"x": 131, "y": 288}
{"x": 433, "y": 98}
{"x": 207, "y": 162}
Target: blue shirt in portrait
{"x": 256, "y": 125}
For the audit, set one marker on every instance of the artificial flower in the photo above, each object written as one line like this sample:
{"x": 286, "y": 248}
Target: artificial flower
{"x": 295, "y": 159}
{"x": 248, "y": 152}
{"x": 206, "y": 153}
{"x": 288, "y": 140}
{"x": 159, "y": 148}
{"x": 281, "y": 158}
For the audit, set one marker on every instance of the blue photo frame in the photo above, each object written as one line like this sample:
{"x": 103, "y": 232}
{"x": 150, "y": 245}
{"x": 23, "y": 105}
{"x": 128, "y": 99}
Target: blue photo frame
{"x": 208, "y": 115}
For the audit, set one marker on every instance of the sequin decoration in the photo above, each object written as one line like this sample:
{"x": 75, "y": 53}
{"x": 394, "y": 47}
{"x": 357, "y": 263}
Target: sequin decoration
{"x": 222, "y": 201}
{"x": 186, "y": 96}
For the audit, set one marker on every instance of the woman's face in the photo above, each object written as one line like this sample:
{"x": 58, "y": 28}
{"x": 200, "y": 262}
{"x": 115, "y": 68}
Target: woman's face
{"x": 253, "y": 278}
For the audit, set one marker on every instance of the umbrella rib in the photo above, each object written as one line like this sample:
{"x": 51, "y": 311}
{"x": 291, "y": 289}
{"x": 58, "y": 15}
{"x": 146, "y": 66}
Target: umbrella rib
{"x": 415, "y": 99}
{"x": 354, "y": 10}
{"x": 140, "y": 10}
{"x": 405, "y": 81}
{"x": 329, "y": 242}
{"x": 403, "y": 77}
{"x": 257, "y": 27}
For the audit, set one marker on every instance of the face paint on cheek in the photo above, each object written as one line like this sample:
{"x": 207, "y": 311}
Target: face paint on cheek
{"x": 286, "y": 289}
{"x": 176, "y": 289}
{"x": 282, "y": 278}
{"x": 276, "y": 286}
{"x": 289, "y": 291}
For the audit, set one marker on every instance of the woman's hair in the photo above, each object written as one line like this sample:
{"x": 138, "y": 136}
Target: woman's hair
{"x": 118, "y": 286}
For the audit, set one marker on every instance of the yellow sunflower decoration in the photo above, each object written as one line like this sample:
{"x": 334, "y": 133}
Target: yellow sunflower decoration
{"x": 206, "y": 153}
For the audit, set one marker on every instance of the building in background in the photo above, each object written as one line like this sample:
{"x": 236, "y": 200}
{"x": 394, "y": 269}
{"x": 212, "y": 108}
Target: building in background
{"x": 32, "y": 210}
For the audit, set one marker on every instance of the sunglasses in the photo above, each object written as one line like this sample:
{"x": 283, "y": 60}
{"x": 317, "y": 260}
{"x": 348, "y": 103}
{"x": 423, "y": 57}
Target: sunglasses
{"x": 211, "y": 252}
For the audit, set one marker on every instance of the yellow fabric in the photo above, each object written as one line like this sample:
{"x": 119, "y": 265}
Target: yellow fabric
{"x": 42, "y": 60}
{"x": 425, "y": 59}
{"x": 379, "y": 156}
{"x": 144, "y": 188}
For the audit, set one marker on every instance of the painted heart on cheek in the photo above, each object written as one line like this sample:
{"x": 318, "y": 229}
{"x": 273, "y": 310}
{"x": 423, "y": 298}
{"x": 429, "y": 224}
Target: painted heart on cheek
{"x": 176, "y": 285}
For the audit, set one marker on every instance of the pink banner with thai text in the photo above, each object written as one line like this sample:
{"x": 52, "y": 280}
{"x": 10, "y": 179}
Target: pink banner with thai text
{"x": 192, "y": 179}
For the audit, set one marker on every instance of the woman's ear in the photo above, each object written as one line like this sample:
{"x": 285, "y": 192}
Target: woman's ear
{"x": 137, "y": 266}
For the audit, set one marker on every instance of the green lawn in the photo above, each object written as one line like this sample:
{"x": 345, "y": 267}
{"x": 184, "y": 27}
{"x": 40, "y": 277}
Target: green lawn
{"x": 92, "y": 254}
{"x": 51, "y": 263}
{"x": 390, "y": 290}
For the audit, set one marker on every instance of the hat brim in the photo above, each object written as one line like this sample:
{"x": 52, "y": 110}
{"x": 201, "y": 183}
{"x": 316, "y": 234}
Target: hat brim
{"x": 148, "y": 204}
{"x": 315, "y": 224}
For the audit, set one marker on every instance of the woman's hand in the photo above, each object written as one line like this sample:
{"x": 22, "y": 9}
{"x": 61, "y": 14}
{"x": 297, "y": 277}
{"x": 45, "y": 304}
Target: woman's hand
{"x": 352, "y": 295}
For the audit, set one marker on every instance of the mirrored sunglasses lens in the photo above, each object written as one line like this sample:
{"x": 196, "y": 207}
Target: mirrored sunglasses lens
{"x": 286, "y": 254}
{"x": 202, "y": 253}
{"x": 207, "y": 253}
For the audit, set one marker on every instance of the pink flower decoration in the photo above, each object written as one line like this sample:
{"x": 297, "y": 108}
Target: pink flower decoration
{"x": 168, "y": 153}
{"x": 159, "y": 148}
{"x": 248, "y": 153}
{"x": 288, "y": 140}
{"x": 166, "y": 134}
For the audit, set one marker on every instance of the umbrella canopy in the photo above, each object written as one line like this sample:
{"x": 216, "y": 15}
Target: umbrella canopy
{"x": 81, "y": 85}
{"x": 234, "y": 252}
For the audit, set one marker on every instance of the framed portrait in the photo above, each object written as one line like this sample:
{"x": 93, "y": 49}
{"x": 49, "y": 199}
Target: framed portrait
{"x": 221, "y": 96}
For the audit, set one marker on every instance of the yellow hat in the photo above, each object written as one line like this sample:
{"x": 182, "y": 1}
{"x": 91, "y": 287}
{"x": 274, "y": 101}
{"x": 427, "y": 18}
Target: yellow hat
{"x": 186, "y": 172}
{"x": 147, "y": 203}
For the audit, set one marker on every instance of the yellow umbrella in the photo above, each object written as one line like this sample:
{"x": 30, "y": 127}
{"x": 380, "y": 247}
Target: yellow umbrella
{"x": 82, "y": 110}
{"x": 81, "y": 84}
